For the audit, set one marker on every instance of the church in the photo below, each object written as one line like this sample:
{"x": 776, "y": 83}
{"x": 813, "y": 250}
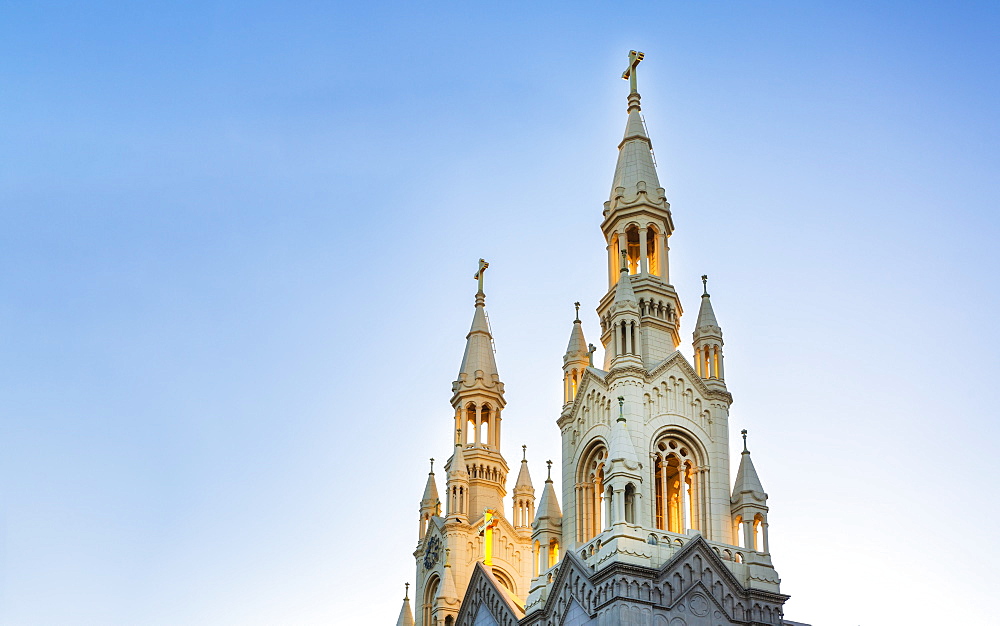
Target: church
{"x": 643, "y": 527}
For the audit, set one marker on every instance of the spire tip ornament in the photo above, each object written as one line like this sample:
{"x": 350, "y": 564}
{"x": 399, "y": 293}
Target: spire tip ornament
{"x": 704, "y": 282}
{"x": 479, "y": 274}
{"x": 407, "y": 596}
{"x": 524, "y": 450}
{"x": 744, "y": 433}
{"x": 548, "y": 479}
{"x": 629, "y": 74}
{"x": 577, "y": 305}
{"x": 432, "y": 465}
{"x": 621, "y": 408}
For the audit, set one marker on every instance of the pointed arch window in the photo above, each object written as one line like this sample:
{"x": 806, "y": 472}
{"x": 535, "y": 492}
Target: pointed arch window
{"x": 590, "y": 493}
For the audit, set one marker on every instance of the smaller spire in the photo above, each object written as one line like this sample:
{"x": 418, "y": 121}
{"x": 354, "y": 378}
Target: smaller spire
{"x": 747, "y": 480}
{"x": 523, "y": 482}
{"x": 549, "y": 512}
{"x": 620, "y": 448}
{"x": 624, "y": 292}
{"x": 448, "y": 591}
{"x": 430, "y": 490}
{"x": 405, "y": 613}
{"x": 458, "y": 468}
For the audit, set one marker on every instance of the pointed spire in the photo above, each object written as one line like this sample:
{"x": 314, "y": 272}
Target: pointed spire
{"x": 620, "y": 448}
{"x": 707, "y": 324}
{"x": 448, "y": 591}
{"x": 624, "y": 292}
{"x": 747, "y": 481}
{"x": 577, "y": 347}
{"x": 457, "y": 468}
{"x": 635, "y": 158}
{"x": 548, "y": 506}
{"x": 430, "y": 489}
{"x": 523, "y": 477}
{"x": 479, "y": 342}
{"x": 405, "y": 614}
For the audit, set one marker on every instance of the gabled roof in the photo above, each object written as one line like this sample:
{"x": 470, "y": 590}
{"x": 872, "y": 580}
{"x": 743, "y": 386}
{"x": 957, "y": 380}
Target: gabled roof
{"x": 485, "y": 591}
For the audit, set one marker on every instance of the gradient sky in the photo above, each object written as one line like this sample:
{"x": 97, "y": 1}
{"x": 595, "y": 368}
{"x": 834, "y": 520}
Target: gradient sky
{"x": 237, "y": 242}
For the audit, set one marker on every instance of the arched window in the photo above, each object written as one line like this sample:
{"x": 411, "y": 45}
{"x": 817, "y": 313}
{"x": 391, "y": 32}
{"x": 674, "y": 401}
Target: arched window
{"x": 632, "y": 237}
{"x": 484, "y": 431}
{"x": 653, "y": 251}
{"x": 553, "y": 552}
{"x": 590, "y": 492}
{"x": 449, "y": 621}
{"x": 630, "y": 503}
{"x": 471, "y": 432}
{"x": 504, "y": 579}
{"x": 430, "y": 592}
{"x": 614, "y": 259}
{"x": 679, "y": 489}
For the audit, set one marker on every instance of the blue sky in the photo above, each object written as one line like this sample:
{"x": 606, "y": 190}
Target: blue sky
{"x": 237, "y": 242}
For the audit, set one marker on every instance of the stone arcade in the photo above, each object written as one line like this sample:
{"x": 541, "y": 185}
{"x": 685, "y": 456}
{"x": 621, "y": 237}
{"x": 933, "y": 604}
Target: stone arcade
{"x": 651, "y": 533}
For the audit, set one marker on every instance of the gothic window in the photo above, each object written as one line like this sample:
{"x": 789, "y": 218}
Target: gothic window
{"x": 471, "y": 432}
{"x": 430, "y": 592}
{"x": 484, "y": 431}
{"x": 630, "y": 503}
{"x": 553, "y": 552}
{"x": 632, "y": 239}
{"x": 590, "y": 492}
{"x": 679, "y": 495}
{"x": 652, "y": 251}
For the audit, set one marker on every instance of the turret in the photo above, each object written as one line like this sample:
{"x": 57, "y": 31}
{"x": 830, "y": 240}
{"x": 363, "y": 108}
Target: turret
{"x": 623, "y": 475}
{"x": 637, "y": 224}
{"x": 447, "y": 600}
{"x": 458, "y": 485}
{"x": 405, "y": 613}
{"x": 623, "y": 324}
{"x": 749, "y": 505}
{"x": 430, "y": 505}
{"x": 524, "y": 496}
{"x": 546, "y": 530}
{"x": 576, "y": 360}
{"x": 708, "y": 340}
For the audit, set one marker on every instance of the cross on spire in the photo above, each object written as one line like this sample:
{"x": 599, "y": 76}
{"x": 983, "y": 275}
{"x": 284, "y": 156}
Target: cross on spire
{"x": 432, "y": 465}
{"x": 577, "y": 305}
{"x": 704, "y": 282}
{"x": 407, "y": 592}
{"x": 549, "y": 478}
{"x": 524, "y": 450}
{"x": 480, "y": 272}
{"x": 744, "y": 433}
{"x": 629, "y": 74}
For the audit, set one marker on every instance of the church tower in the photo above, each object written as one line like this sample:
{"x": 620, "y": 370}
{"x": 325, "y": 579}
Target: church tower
{"x": 474, "y": 526}
{"x": 650, "y": 530}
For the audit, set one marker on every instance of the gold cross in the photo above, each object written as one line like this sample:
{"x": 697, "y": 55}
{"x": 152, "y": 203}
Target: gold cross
{"x": 479, "y": 274}
{"x": 629, "y": 73}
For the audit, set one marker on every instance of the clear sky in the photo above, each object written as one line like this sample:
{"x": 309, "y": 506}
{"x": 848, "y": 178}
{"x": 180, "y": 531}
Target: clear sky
{"x": 237, "y": 242}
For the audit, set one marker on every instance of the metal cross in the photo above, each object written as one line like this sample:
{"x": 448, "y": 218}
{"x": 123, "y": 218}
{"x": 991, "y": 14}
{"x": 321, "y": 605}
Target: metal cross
{"x": 629, "y": 73}
{"x": 577, "y": 305}
{"x": 704, "y": 281}
{"x": 744, "y": 433}
{"x": 479, "y": 273}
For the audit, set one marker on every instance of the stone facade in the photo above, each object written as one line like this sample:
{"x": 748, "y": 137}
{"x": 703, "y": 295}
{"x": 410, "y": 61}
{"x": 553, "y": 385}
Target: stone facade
{"x": 651, "y": 532}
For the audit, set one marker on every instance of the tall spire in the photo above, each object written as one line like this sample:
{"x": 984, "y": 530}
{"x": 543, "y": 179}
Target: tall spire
{"x": 548, "y": 506}
{"x": 708, "y": 358}
{"x": 523, "y": 476}
{"x": 430, "y": 489}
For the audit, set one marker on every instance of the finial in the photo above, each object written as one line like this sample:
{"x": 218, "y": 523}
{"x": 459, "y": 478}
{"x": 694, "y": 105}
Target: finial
{"x": 407, "y": 597}
{"x": 524, "y": 449}
{"x": 577, "y": 305}
{"x": 479, "y": 274}
{"x": 621, "y": 408}
{"x": 591, "y": 348}
{"x": 744, "y": 433}
{"x": 548, "y": 479}
{"x": 704, "y": 282}
{"x": 629, "y": 74}
{"x": 432, "y": 465}
{"x": 624, "y": 261}
{"x": 447, "y": 557}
